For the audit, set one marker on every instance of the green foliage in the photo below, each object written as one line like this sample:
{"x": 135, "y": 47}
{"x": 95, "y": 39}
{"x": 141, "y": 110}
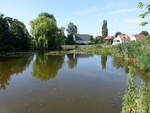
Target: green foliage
{"x": 13, "y": 35}
{"x": 47, "y": 34}
{"x": 98, "y": 40}
{"x": 143, "y": 101}
{"x": 72, "y": 30}
{"x": 129, "y": 99}
{"x": 101, "y": 49}
{"x": 137, "y": 98}
{"x": 132, "y": 49}
{"x": 138, "y": 51}
{"x": 70, "y": 40}
{"x": 144, "y": 61}
{"x": 146, "y": 13}
{"x": 104, "y": 29}
{"x": 118, "y": 33}
{"x": 145, "y": 33}
{"x": 47, "y": 15}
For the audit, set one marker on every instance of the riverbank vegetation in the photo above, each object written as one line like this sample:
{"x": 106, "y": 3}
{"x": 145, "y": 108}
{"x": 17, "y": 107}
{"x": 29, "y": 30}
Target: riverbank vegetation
{"x": 138, "y": 52}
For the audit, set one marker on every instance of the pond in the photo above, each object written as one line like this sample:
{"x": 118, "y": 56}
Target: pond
{"x": 73, "y": 83}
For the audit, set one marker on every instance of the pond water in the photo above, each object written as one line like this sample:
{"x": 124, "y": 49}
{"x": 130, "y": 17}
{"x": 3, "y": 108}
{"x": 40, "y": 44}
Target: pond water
{"x": 73, "y": 83}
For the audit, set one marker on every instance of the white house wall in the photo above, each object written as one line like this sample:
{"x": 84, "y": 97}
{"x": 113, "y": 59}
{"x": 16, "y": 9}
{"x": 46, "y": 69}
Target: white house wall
{"x": 132, "y": 38}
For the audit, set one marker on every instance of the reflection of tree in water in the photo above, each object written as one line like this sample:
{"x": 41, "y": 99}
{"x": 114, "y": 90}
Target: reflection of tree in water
{"x": 72, "y": 62}
{"x": 10, "y": 67}
{"x": 103, "y": 61}
{"x": 126, "y": 64}
{"x": 73, "y": 58}
{"x": 46, "y": 67}
{"x": 137, "y": 97}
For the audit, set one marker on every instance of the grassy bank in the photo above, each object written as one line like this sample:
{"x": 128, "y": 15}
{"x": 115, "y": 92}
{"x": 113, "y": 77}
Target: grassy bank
{"x": 139, "y": 51}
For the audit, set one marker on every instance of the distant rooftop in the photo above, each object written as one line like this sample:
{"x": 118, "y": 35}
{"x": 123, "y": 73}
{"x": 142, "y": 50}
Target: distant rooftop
{"x": 139, "y": 36}
{"x": 108, "y": 37}
{"x": 83, "y": 37}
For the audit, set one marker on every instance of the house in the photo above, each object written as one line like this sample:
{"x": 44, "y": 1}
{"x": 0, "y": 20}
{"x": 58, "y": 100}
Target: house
{"x": 122, "y": 38}
{"x": 109, "y": 39}
{"x": 82, "y": 38}
{"x": 137, "y": 37}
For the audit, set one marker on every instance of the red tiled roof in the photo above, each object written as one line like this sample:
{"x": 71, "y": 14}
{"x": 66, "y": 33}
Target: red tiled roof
{"x": 139, "y": 36}
{"x": 124, "y": 37}
{"x": 108, "y": 37}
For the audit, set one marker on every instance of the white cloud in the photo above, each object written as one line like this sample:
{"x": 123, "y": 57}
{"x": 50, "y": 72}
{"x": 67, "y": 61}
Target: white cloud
{"x": 120, "y": 11}
{"x": 131, "y": 21}
{"x": 87, "y": 11}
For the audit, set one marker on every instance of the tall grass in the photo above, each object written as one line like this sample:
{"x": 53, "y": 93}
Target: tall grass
{"x": 137, "y": 50}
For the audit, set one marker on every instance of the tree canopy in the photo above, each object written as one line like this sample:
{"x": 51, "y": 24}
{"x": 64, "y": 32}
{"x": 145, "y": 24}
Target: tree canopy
{"x": 104, "y": 28}
{"x": 45, "y": 31}
{"x": 118, "y": 33}
{"x": 47, "y": 15}
{"x": 71, "y": 30}
{"x": 13, "y": 35}
{"x": 145, "y": 33}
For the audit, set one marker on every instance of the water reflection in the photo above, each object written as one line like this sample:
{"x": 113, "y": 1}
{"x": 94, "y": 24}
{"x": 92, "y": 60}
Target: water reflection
{"x": 10, "y": 67}
{"x": 46, "y": 67}
{"x": 128, "y": 64}
{"x": 137, "y": 96}
{"x": 103, "y": 62}
{"x": 73, "y": 59}
{"x": 78, "y": 90}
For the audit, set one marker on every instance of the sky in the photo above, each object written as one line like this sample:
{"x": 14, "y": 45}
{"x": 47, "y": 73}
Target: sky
{"x": 87, "y": 15}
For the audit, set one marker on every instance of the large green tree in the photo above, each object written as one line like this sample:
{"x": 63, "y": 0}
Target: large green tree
{"x": 145, "y": 14}
{"x": 45, "y": 31}
{"x": 72, "y": 30}
{"x": 104, "y": 29}
{"x": 13, "y": 35}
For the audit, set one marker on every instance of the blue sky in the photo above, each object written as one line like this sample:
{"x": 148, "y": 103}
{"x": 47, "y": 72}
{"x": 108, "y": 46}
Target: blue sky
{"x": 122, "y": 15}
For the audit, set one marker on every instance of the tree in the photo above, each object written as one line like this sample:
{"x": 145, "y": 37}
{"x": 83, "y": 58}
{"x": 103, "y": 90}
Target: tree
{"x": 98, "y": 39}
{"x": 19, "y": 35}
{"x": 47, "y": 15}
{"x": 145, "y": 33}
{"x": 118, "y": 33}
{"x": 4, "y": 33}
{"x": 141, "y": 5}
{"x": 45, "y": 31}
{"x": 72, "y": 30}
{"x": 61, "y": 36}
{"x": 104, "y": 29}
{"x": 13, "y": 35}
